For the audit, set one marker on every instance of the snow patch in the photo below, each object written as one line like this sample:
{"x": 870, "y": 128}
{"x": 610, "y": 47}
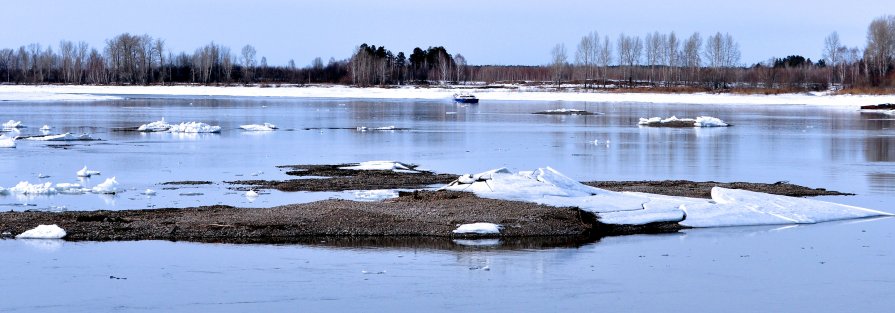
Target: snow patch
{"x": 375, "y": 195}
{"x": 380, "y": 166}
{"x": 478, "y": 228}
{"x": 43, "y": 232}
{"x": 728, "y": 207}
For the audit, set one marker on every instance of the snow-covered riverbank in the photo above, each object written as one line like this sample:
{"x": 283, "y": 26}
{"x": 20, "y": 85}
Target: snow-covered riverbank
{"x": 89, "y": 93}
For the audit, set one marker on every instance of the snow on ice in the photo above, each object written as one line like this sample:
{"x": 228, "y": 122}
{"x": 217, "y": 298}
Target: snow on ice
{"x": 728, "y": 207}
{"x": 11, "y": 124}
{"x": 194, "y": 127}
{"x": 186, "y": 127}
{"x": 7, "y": 142}
{"x": 478, "y": 228}
{"x": 259, "y": 127}
{"x": 84, "y": 172}
{"x": 381, "y": 166}
{"x": 43, "y": 232}
{"x": 700, "y": 121}
{"x": 110, "y": 186}
{"x": 63, "y": 137}
{"x": 157, "y": 126}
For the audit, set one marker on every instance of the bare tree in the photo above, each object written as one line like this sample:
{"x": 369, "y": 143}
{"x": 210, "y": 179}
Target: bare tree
{"x": 248, "y": 63}
{"x": 6, "y": 57}
{"x": 559, "y": 62}
{"x": 833, "y": 51}
{"x": 604, "y": 57}
{"x": 880, "y": 51}
{"x": 585, "y": 56}
{"x": 691, "y": 58}
{"x": 460, "y": 66}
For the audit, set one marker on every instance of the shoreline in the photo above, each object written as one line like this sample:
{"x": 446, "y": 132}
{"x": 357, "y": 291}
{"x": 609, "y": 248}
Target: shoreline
{"x": 506, "y": 93}
{"x": 422, "y": 214}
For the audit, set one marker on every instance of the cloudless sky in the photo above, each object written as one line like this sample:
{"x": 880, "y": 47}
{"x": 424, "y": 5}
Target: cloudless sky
{"x": 484, "y": 31}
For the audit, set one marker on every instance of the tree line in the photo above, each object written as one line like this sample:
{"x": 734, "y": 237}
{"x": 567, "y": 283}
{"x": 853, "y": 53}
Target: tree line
{"x": 143, "y": 60}
{"x": 664, "y": 60}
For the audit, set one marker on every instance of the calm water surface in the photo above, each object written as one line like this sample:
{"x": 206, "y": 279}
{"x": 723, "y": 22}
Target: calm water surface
{"x": 844, "y": 266}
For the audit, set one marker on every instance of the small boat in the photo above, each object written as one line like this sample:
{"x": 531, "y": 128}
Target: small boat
{"x": 465, "y": 98}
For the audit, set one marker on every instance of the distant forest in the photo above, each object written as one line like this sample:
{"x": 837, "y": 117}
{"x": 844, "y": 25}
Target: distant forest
{"x": 656, "y": 61}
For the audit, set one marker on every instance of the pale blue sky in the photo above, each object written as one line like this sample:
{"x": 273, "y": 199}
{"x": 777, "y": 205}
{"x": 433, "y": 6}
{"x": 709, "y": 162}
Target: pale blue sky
{"x": 486, "y": 32}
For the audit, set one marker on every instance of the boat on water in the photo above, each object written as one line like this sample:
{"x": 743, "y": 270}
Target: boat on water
{"x": 465, "y": 98}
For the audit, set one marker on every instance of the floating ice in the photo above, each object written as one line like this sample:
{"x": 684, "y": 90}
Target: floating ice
{"x": 728, "y": 207}
{"x": 701, "y": 121}
{"x": 708, "y": 121}
{"x": 364, "y": 128}
{"x": 46, "y": 128}
{"x": 381, "y": 166}
{"x": 84, "y": 172}
{"x": 43, "y": 232}
{"x": 26, "y": 188}
{"x": 157, "y": 126}
{"x": 257, "y": 127}
{"x": 251, "y": 194}
{"x": 110, "y": 186}
{"x": 7, "y": 142}
{"x": 11, "y": 124}
{"x": 478, "y": 228}
{"x": 889, "y": 112}
{"x": 149, "y": 192}
{"x": 63, "y": 137}
{"x": 71, "y": 188}
{"x": 194, "y": 127}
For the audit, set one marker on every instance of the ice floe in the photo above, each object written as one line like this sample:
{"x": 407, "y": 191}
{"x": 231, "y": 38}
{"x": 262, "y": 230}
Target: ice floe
{"x": 674, "y": 121}
{"x": 381, "y": 166}
{"x": 708, "y": 121}
{"x": 7, "y": 142}
{"x": 149, "y": 192}
{"x": 12, "y": 124}
{"x": 84, "y": 172}
{"x": 26, "y": 188}
{"x": 259, "y": 127}
{"x": 63, "y": 137}
{"x": 194, "y": 127}
{"x": 110, "y": 186}
{"x": 478, "y": 228}
{"x": 728, "y": 207}
{"x": 251, "y": 194}
{"x": 157, "y": 126}
{"x": 364, "y": 128}
{"x": 46, "y": 128}
{"x": 43, "y": 232}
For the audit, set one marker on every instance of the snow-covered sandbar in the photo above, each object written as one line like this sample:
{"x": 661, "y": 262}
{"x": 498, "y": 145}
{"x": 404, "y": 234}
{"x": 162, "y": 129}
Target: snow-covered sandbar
{"x": 88, "y": 93}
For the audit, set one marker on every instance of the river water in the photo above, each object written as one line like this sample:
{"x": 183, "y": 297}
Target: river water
{"x": 841, "y": 266}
